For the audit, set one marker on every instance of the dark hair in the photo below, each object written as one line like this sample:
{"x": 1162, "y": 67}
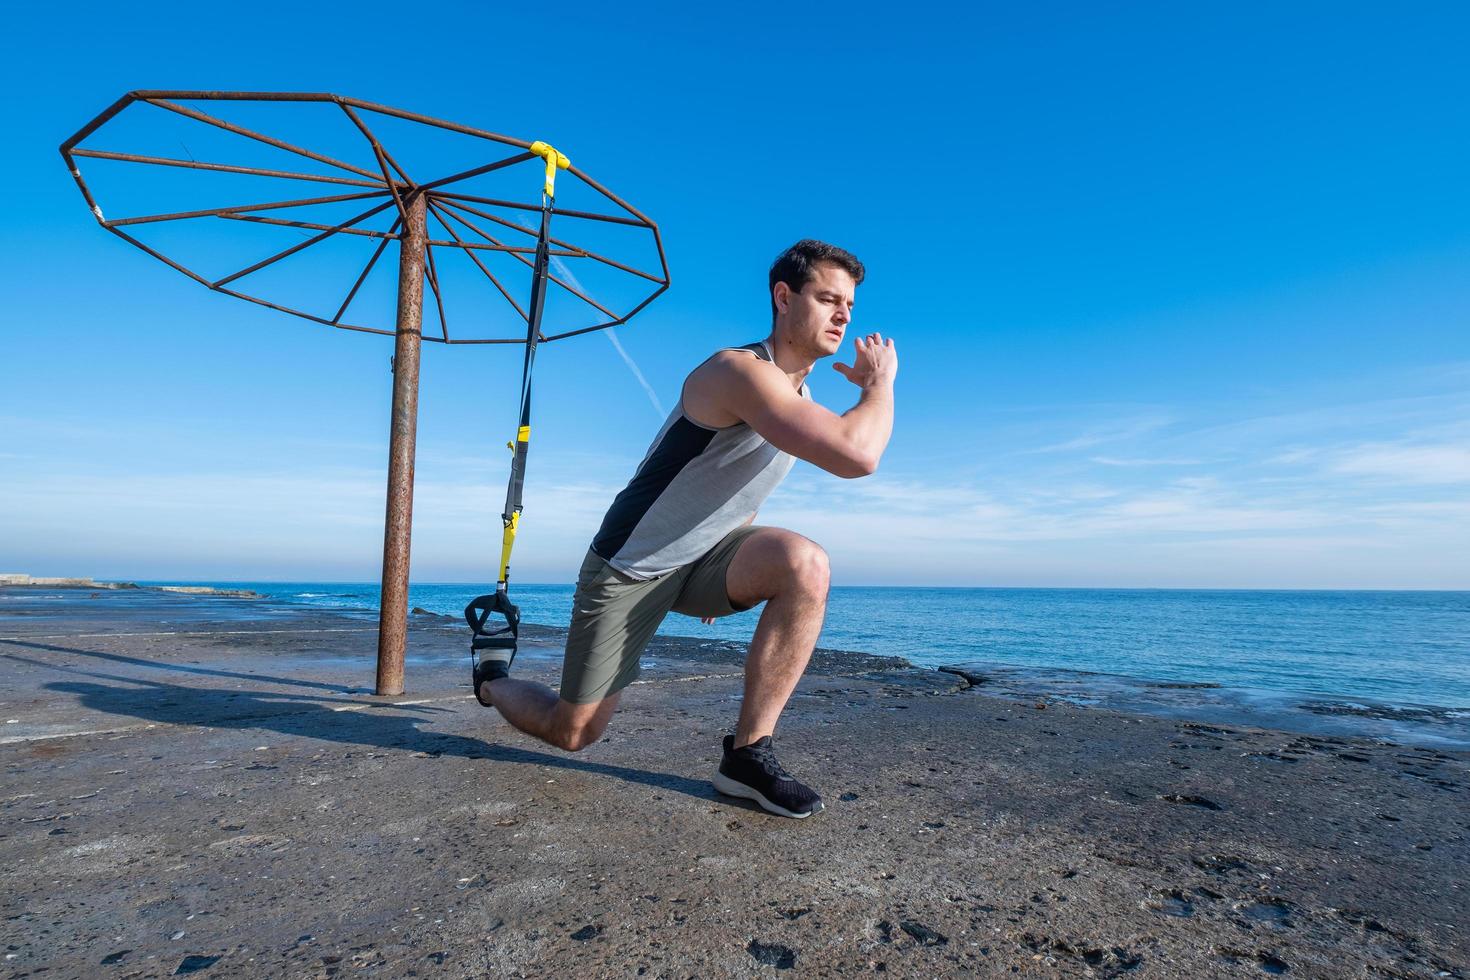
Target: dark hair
{"x": 794, "y": 266}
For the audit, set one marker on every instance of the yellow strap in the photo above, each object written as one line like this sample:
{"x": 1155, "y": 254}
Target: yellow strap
{"x": 507, "y": 542}
{"x": 508, "y": 539}
{"x": 554, "y": 159}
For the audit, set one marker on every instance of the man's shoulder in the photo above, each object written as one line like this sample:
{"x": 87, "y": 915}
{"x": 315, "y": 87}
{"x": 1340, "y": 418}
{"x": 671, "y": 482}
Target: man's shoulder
{"x": 735, "y": 368}
{"x": 742, "y": 354}
{"x": 715, "y": 388}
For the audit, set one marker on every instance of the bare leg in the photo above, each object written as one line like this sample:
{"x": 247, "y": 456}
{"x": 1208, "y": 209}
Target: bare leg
{"x": 537, "y": 710}
{"x": 790, "y": 574}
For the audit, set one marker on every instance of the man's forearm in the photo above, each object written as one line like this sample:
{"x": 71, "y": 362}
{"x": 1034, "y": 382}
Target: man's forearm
{"x": 870, "y": 424}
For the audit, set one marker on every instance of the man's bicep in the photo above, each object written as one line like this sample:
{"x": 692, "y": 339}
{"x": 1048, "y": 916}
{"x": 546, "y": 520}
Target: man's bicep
{"x": 791, "y": 423}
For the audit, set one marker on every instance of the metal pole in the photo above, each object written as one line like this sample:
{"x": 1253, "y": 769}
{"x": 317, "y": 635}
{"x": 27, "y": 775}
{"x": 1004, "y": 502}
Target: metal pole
{"x": 398, "y": 525}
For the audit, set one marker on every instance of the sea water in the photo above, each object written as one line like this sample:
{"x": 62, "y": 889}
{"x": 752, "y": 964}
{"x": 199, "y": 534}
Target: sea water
{"x": 1391, "y": 648}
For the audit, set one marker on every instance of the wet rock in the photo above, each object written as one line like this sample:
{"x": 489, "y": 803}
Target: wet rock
{"x": 1270, "y": 911}
{"x": 194, "y": 963}
{"x": 1380, "y": 711}
{"x": 772, "y": 954}
{"x": 1268, "y": 962}
{"x": 922, "y": 934}
{"x": 1219, "y": 863}
{"x": 970, "y": 678}
{"x": 1188, "y": 799}
{"x": 1171, "y": 903}
{"x": 1271, "y": 964}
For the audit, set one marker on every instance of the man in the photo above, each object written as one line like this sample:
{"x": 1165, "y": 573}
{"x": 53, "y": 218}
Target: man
{"x": 680, "y": 536}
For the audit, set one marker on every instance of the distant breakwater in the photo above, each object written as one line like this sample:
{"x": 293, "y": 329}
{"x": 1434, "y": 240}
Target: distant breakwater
{"x": 21, "y": 580}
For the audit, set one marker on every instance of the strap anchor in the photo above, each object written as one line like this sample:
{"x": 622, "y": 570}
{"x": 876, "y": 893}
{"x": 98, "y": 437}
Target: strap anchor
{"x": 555, "y": 160}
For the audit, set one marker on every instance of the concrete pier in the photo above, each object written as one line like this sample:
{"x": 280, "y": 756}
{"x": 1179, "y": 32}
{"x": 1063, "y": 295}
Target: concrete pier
{"x": 205, "y": 784}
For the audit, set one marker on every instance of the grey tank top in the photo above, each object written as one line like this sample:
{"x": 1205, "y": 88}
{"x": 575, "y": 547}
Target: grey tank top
{"x": 695, "y": 485}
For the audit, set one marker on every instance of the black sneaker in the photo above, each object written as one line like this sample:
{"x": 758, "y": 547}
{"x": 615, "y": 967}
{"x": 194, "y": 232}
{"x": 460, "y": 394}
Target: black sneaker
{"x": 752, "y": 772}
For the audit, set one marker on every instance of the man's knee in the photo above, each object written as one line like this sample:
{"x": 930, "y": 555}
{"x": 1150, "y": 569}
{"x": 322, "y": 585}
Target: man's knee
{"x": 810, "y": 571}
{"x": 574, "y": 739}
{"x": 576, "y": 727}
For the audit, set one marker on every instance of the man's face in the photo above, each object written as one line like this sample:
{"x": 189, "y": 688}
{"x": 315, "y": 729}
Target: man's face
{"x": 816, "y": 318}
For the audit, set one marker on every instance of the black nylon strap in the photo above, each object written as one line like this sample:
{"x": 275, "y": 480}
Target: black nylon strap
{"x": 513, "y": 493}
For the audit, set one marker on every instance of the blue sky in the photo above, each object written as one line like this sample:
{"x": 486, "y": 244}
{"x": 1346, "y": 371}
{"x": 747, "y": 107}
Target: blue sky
{"x": 1181, "y": 295}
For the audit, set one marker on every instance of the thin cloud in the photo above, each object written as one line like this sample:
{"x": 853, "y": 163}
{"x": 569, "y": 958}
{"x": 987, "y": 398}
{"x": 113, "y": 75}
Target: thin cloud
{"x": 1400, "y": 463}
{"x": 612, "y": 338}
{"x": 1126, "y": 430}
{"x": 1144, "y": 461}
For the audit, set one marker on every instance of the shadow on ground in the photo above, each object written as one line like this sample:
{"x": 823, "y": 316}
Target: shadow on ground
{"x": 350, "y": 722}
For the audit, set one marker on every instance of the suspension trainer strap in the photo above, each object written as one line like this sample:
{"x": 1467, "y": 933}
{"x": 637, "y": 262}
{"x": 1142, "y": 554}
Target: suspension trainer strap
{"x": 511, "y": 516}
{"x": 481, "y": 611}
{"x": 521, "y": 444}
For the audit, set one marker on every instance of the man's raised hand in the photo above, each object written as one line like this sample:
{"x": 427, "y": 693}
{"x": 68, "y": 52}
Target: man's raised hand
{"x": 876, "y": 362}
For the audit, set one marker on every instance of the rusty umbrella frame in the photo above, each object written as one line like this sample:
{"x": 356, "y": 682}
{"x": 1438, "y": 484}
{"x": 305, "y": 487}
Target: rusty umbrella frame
{"x": 414, "y": 202}
{"x": 448, "y": 208}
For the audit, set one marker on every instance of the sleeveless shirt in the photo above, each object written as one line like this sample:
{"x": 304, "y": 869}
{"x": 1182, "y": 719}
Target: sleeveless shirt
{"x": 695, "y": 485}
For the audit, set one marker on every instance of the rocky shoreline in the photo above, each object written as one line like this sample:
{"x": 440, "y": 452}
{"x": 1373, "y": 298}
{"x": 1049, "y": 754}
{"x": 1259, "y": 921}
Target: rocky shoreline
{"x": 219, "y": 792}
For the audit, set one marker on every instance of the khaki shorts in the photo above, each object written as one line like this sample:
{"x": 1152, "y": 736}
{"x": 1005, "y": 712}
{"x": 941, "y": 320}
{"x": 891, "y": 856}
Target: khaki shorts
{"x": 615, "y": 615}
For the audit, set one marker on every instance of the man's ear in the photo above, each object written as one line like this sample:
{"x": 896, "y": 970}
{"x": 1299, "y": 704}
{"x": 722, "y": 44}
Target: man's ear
{"x": 781, "y": 295}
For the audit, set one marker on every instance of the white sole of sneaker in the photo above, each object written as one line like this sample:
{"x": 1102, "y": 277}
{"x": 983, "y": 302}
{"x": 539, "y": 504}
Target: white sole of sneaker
{"x": 730, "y": 787}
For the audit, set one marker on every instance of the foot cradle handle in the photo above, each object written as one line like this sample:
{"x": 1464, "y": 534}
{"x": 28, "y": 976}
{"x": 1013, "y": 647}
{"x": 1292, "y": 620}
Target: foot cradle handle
{"x": 487, "y": 635}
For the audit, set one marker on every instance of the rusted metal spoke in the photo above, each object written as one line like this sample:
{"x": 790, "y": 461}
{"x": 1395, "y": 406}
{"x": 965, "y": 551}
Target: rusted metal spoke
{"x": 560, "y": 282}
{"x": 581, "y": 330}
{"x": 310, "y": 225}
{"x": 475, "y": 228}
{"x": 221, "y": 167}
{"x": 434, "y": 285}
{"x": 573, "y": 251}
{"x": 301, "y": 313}
{"x": 306, "y": 244}
{"x": 433, "y": 207}
{"x": 613, "y": 323}
{"x": 505, "y": 222}
{"x": 92, "y": 127}
{"x": 366, "y": 233}
{"x": 663, "y": 260}
{"x": 477, "y": 171}
{"x": 431, "y": 121}
{"x": 642, "y": 218}
{"x": 377, "y": 252}
{"x": 513, "y": 249}
{"x": 252, "y": 134}
{"x": 378, "y": 148}
{"x": 162, "y": 258}
{"x": 581, "y": 295}
{"x": 220, "y": 212}
{"x": 382, "y": 157}
{"x": 495, "y": 244}
{"x": 516, "y": 205}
